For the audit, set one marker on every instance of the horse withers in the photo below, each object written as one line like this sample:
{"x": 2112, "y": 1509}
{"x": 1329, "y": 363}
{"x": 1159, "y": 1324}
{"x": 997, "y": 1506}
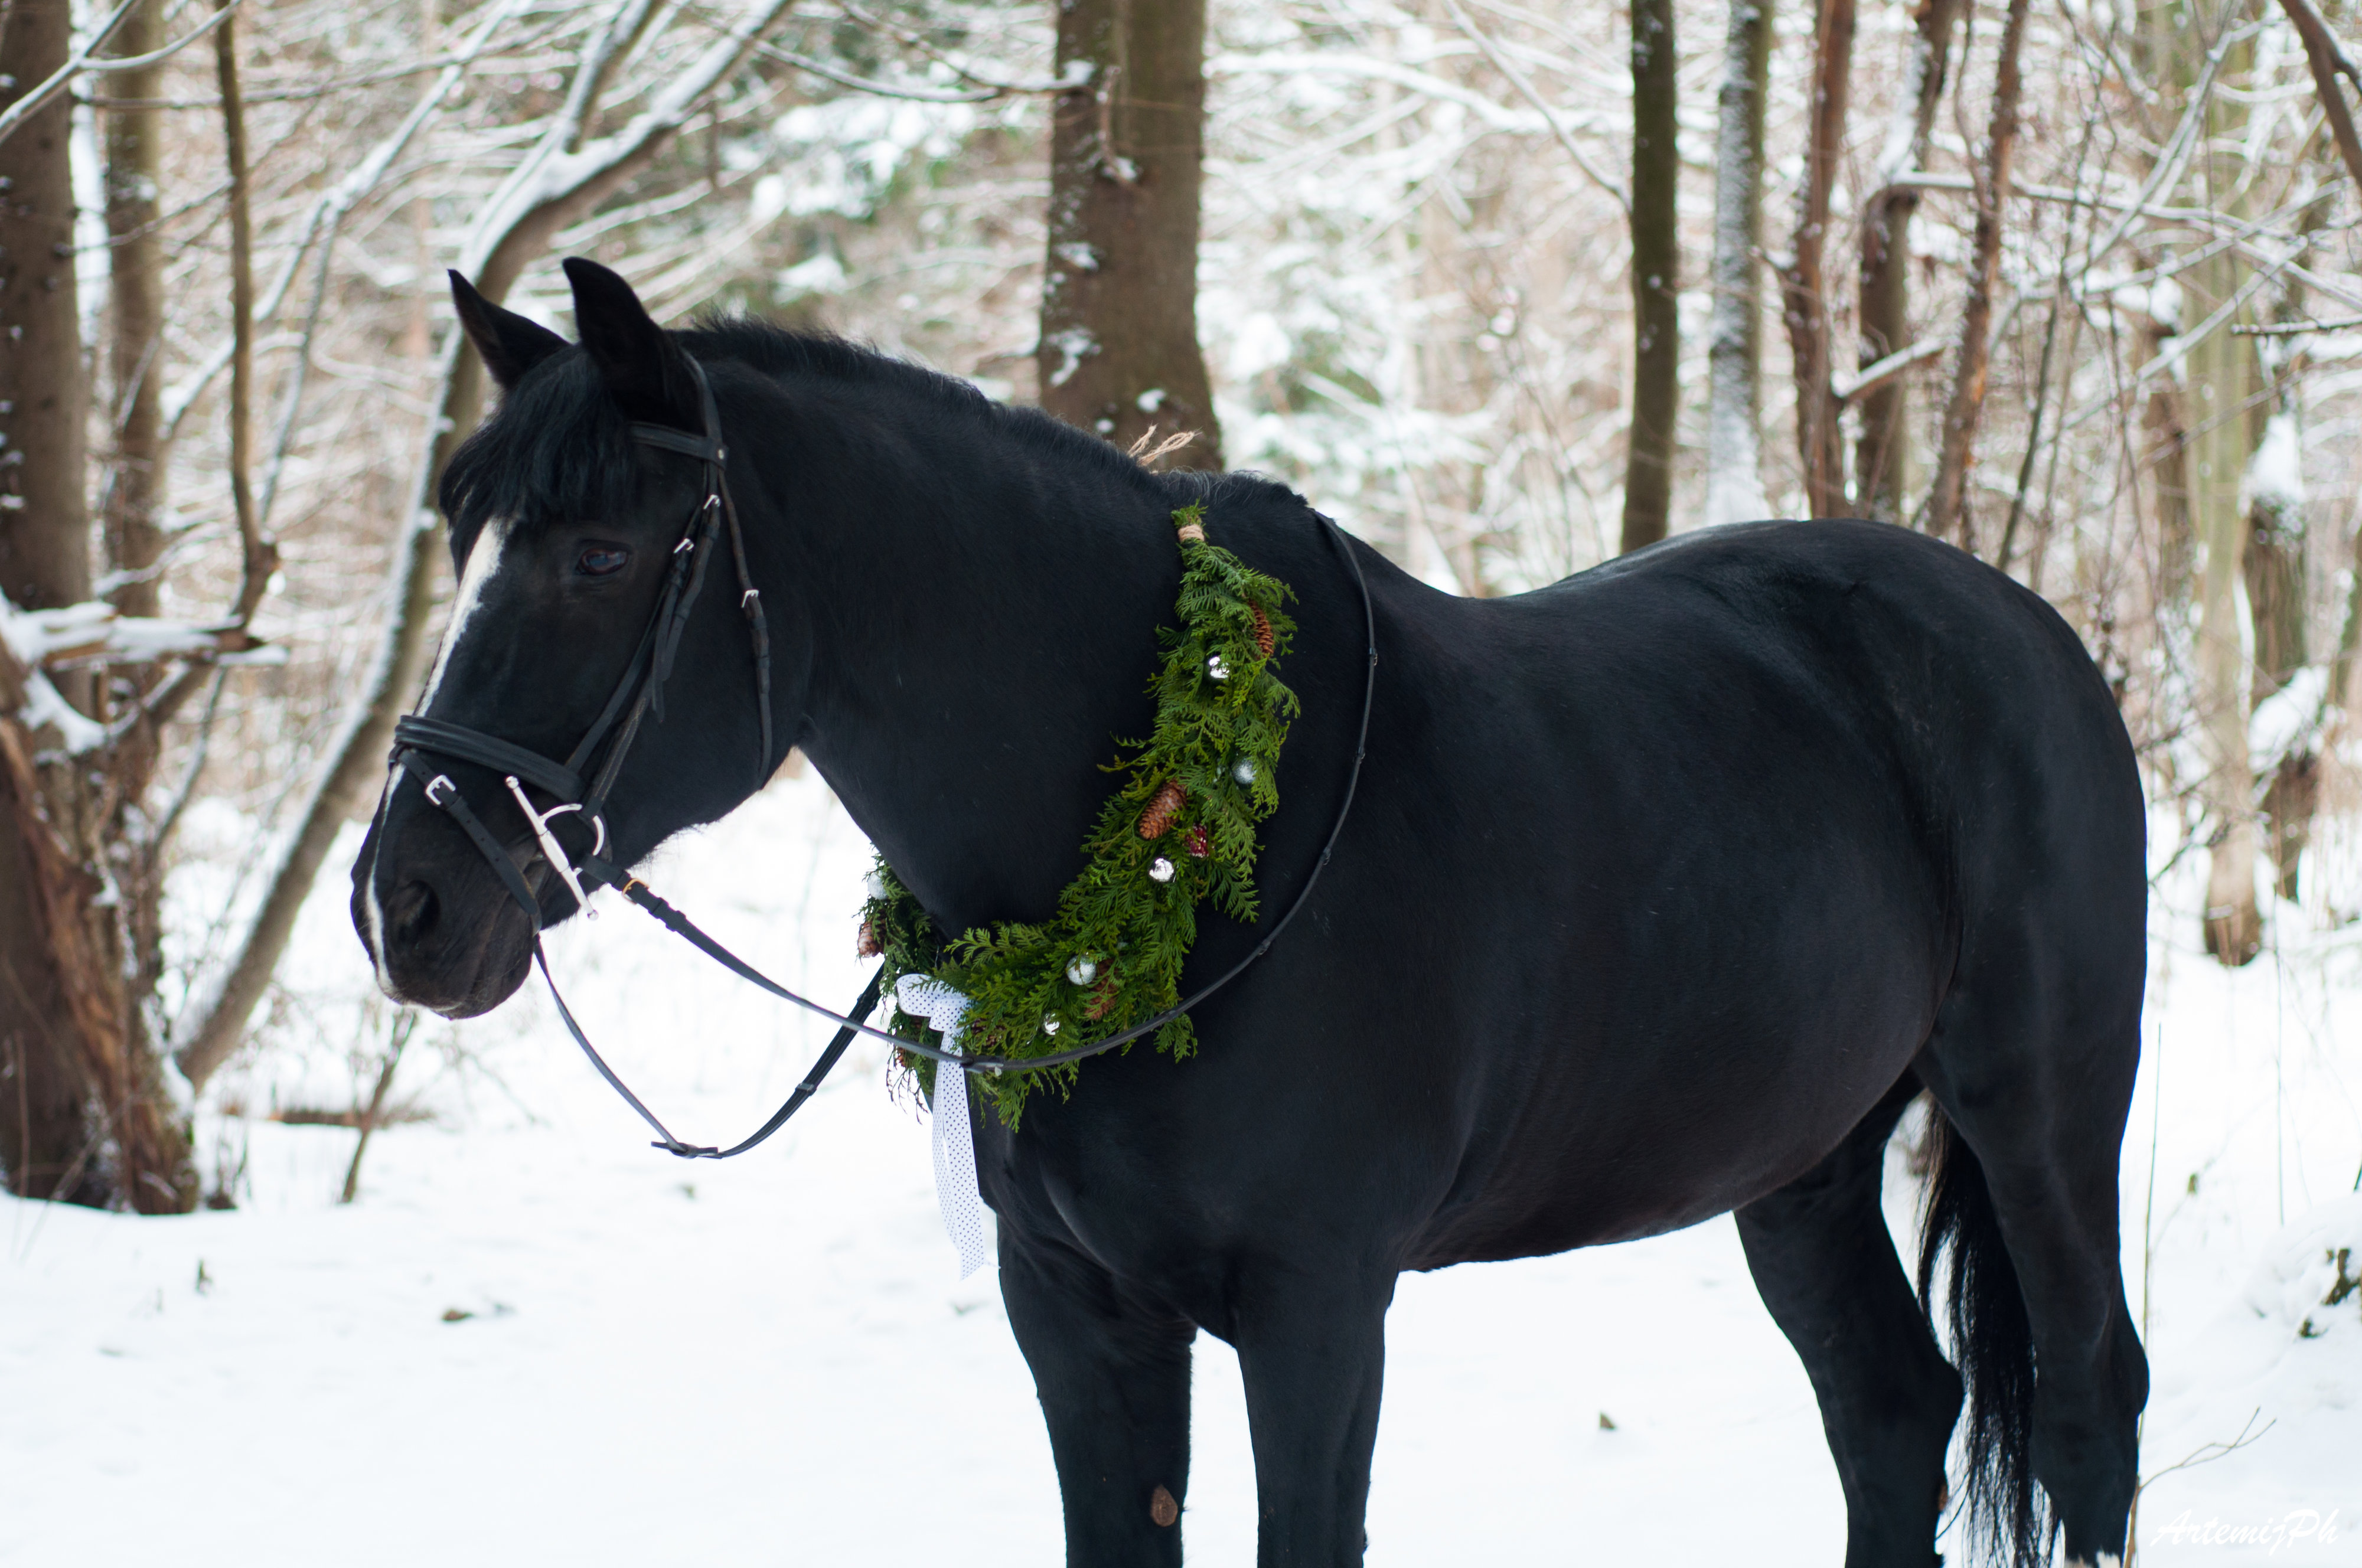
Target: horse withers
{"x": 1667, "y": 888}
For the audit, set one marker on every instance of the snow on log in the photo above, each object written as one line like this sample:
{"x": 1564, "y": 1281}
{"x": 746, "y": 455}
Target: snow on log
{"x": 35, "y": 642}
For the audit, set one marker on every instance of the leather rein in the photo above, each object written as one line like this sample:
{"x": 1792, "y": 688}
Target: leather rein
{"x": 417, "y": 741}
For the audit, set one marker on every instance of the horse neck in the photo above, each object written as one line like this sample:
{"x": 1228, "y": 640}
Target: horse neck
{"x": 983, "y": 607}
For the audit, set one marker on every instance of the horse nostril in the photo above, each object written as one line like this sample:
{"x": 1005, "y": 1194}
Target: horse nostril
{"x": 412, "y": 912}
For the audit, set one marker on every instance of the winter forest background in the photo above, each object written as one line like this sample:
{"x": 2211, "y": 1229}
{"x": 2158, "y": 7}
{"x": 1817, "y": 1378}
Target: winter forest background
{"x": 2072, "y": 284}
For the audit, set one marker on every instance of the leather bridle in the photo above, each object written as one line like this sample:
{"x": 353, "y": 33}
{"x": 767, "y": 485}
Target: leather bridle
{"x": 418, "y": 740}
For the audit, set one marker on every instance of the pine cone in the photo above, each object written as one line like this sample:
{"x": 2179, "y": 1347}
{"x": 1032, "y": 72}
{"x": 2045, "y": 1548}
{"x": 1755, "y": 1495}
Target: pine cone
{"x": 1199, "y": 842}
{"x": 868, "y": 947}
{"x": 1162, "y": 808}
{"x": 1265, "y": 638}
{"x": 1102, "y": 998}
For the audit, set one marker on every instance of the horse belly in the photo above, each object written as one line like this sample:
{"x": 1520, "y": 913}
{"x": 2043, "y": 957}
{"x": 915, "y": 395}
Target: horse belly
{"x": 1720, "y": 1118}
{"x": 1693, "y": 1051}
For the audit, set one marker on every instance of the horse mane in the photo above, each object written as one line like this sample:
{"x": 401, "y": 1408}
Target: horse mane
{"x": 558, "y": 446}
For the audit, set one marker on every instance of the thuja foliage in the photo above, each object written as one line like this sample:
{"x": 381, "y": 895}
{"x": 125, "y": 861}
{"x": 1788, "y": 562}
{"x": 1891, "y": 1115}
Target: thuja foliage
{"x": 1180, "y": 830}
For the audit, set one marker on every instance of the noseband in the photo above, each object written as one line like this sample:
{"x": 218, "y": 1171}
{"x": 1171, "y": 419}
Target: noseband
{"x": 417, "y": 741}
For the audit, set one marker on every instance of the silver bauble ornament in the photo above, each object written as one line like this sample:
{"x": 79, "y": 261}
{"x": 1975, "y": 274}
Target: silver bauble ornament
{"x": 1049, "y": 1024}
{"x": 1216, "y": 668}
{"x": 1161, "y": 869}
{"x": 1243, "y": 771}
{"x": 875, "y": 885}
{"x": 1082, "y": 971}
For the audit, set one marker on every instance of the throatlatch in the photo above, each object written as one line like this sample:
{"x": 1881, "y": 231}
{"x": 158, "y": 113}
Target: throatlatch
{"x": 419, "y": 740}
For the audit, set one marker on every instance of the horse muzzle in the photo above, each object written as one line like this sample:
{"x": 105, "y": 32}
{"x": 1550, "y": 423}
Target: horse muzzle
{"x": 439, "y": 925}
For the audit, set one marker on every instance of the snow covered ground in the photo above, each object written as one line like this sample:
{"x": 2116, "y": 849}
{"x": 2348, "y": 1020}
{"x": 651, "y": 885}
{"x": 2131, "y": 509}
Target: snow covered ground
{"x": 536, "y": 1340}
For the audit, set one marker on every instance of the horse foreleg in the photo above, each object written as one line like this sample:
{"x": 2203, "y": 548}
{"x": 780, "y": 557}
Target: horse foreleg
{"x": 1312, "y": 1352}
{"x": 1113, "y": 1376}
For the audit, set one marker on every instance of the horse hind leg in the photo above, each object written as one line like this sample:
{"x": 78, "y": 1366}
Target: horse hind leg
{"x": 2035, "y": 1081}
{"x": 1827, "y": 1267}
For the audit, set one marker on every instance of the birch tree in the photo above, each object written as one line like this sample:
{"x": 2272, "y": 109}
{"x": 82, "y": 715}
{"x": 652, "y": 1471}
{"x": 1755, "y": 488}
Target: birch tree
{"x": 1734, "y": 479}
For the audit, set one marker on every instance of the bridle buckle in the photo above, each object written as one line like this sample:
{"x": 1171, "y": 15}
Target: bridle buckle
{"x": 550, "y": 847}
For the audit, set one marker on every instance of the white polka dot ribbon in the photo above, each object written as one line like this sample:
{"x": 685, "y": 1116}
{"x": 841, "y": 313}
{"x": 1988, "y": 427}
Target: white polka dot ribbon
{"x": 923, "y": 996}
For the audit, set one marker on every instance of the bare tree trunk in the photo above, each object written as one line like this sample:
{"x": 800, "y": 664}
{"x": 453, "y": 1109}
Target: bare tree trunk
{"x": 2277, "y": 577}
{"x": 2328, "y": 62}
{"x": 1734, "y": 479}
{"x": 405, "y": 1022}
{"x": 1946, "y": 513}
{"x": 45, "y": 1009}
{"x": 44, "y": 531}
{"x": 1881, "y": 457}
{"x": 2221, "y": 377}
{"x": 1119, "y": 350}
{"x": 2274, "y": 569}
{"x": 92, "y": 1120}
{"x": 134, "y": 501}
{"x": 258, "y": 556}
{"x": 1656, "y": 278}
{"x": 2349, "y": 646}
{"x": 136, "y": 302}
{"x": 1805, "y": 287}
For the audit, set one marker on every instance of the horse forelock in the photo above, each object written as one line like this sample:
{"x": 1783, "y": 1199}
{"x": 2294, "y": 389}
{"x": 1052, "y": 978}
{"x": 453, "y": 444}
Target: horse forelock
{"x": 557, "y": 448}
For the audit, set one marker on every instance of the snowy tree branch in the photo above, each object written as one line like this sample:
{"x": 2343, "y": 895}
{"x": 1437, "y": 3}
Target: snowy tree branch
{"x": 1502, "y": 63}
{"x": 329, "y": 210}
{"x": 2328, "y": 62}
{"x": 34, "y": 102}
{"x": 561, "y": 179}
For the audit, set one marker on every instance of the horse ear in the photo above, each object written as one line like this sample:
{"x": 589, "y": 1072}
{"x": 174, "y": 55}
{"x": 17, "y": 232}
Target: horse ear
{"x": 510, "y": 344}
{"x": 645, "y": 374}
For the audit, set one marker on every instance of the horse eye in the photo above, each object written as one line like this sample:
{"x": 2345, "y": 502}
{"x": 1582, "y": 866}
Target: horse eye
{"x": 601, "y": 560}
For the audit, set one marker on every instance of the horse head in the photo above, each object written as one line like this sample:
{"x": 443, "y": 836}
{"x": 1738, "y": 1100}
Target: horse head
{"x": 574, "y": 529}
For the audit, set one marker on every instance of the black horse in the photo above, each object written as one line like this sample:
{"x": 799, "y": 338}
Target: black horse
{"x": 1667, "y": 888}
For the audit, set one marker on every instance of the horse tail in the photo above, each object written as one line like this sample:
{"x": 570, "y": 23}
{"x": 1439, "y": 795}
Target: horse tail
{"x": 1992, "y": 1343}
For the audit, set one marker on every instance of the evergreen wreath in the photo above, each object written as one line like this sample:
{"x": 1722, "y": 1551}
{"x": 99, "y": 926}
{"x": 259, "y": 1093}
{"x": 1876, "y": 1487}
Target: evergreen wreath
{"x": 1180, "y": 830}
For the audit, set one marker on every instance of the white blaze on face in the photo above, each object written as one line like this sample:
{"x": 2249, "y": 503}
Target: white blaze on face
{"x": 373, "y": 912}
{"x": 484, "y": 565}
